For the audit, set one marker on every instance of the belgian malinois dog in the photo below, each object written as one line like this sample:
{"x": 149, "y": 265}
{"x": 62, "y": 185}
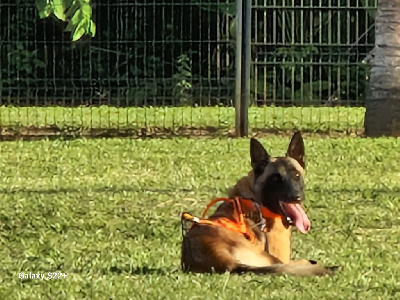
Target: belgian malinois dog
{"x": 251, "y": 230}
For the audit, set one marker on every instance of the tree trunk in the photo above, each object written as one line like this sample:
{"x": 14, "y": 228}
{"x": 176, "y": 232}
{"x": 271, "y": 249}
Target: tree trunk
{"x": 382, "y": 117}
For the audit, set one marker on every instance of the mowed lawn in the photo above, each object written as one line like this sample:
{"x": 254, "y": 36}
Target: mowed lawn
{"x": 106, "y": 212}
{"x": 222, "y": 119}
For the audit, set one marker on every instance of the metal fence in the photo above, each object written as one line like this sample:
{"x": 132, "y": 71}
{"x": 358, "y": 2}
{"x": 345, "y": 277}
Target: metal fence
{"x": 169, "y": 66}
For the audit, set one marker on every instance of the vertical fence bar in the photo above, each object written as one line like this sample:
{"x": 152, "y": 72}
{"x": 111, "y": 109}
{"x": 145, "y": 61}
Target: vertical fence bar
{"x": 246, "y": 61}
{"x": 243, "y": 59}
{"x": 238, "y": 68}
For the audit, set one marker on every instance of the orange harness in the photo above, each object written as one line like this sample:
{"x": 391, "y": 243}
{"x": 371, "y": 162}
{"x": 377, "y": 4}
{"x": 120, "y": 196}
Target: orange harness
{"x": 240, "y": 224}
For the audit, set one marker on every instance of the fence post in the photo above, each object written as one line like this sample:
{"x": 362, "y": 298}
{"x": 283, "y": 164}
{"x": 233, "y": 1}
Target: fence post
{"x": 243, "y": 60}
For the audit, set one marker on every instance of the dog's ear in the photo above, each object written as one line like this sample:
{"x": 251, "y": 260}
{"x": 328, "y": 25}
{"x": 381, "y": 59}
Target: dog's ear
{"x": 296, "y": 149}
{"x": 259, "y": 157}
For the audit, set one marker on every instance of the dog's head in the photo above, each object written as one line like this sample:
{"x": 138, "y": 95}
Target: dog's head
{"x": 279, "y": 181}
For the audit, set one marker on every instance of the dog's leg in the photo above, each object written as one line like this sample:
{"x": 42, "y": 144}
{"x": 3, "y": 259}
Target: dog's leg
{"x": 263, "y": 263}
{"x": 282, "y": 269}
{"x": 279, "y": 241}
{"x": 248, "y": 256}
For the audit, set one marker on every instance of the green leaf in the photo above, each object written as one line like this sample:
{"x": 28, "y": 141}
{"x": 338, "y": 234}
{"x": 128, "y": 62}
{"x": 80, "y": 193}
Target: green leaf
{"x": 68, "y": 3}
{"x": 86, "y": 11}
{"x": 92, "y": 28}
{"x": 39, "y": 63}
{"x": 75, "y": 20}
{"x": 59, "y": 9}
{"x": 77, "y": 13}
{"x": 72, "y": 8}
{"x": 70, "y": 27}
{"x": 44, "y": 8}
{"x": 79, "y": 31}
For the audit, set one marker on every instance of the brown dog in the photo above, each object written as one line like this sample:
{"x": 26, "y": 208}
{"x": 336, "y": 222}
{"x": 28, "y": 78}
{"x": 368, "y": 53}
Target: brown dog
{"x": 251, "y": 231}
{"x": 278, "y": 184}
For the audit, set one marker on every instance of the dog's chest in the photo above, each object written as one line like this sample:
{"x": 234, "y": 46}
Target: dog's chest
{"x": 278, "y": 240}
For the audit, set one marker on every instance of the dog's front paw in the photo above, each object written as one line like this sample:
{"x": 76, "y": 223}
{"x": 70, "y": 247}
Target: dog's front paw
{"x": 327, "y": 271}
{"x": 332, "y": 270}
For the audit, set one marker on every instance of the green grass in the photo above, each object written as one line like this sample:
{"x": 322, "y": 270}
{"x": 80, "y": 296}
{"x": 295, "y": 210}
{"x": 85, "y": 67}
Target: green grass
{"x": 304, "y": 118}
{"x": 106, "y": 213}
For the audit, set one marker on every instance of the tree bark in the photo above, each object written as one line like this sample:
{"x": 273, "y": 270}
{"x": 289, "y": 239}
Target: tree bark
{"x": 382, "y": 117}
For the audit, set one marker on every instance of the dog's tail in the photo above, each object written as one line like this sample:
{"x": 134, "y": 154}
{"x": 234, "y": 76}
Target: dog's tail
{"x": 283, "y": 269}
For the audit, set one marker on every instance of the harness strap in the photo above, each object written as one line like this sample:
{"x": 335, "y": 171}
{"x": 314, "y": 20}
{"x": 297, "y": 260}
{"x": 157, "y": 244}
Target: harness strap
{"x": 247, "y": 203}
{"x": 240, "y": 225}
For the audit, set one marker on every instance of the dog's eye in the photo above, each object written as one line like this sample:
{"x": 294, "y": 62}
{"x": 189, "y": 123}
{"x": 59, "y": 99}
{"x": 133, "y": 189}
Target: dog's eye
{"x": 297, "y": 175}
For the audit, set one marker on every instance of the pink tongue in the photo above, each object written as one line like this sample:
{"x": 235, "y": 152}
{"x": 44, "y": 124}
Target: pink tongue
{"x": 299, "y": 217}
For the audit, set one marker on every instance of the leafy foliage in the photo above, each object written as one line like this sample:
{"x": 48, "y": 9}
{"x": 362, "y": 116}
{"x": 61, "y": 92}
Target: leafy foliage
{"x": 77, "y": 13}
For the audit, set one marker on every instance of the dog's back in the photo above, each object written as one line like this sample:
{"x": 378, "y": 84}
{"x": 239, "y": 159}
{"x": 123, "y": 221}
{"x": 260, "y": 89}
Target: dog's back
{"x": 208, "y": 248}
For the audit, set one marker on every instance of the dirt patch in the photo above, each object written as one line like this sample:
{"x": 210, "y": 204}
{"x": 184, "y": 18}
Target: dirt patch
{"x": 264, "y": 132}
{"x": 53, "y": 132}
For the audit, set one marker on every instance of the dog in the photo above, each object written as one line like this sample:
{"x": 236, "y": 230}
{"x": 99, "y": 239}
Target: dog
{"x": 251, "y": 230}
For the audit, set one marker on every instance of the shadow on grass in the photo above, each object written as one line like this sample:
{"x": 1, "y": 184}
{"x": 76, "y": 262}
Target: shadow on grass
{"x": 121, "y": 189}
{"x": 173, "y": 191}
{"x": 143, "y": 270}
{"x": 53, "y": 132}
{"x": 369, "y": 191}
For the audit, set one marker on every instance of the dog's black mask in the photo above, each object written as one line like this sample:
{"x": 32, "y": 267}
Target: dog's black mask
{"x": 279, "y": 181}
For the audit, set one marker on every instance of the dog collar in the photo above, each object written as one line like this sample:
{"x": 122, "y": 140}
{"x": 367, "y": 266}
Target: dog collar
{"x": 248, "y": 204}
{"x": 267, "y": 214}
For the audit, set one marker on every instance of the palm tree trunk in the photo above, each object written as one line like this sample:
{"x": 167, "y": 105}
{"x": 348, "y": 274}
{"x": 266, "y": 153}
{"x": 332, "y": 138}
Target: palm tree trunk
{"x": 382, "y": 117}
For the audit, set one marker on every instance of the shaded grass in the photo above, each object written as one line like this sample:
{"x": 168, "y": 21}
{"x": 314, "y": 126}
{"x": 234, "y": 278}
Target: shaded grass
{"x": 176, "y": 118}
{"x": 106, "y": 212}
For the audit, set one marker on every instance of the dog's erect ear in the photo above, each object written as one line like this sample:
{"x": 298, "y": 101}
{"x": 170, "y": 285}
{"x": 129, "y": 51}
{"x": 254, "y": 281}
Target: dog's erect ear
{"x": 296, "y": 149}
{"x": 259, "y": 157}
